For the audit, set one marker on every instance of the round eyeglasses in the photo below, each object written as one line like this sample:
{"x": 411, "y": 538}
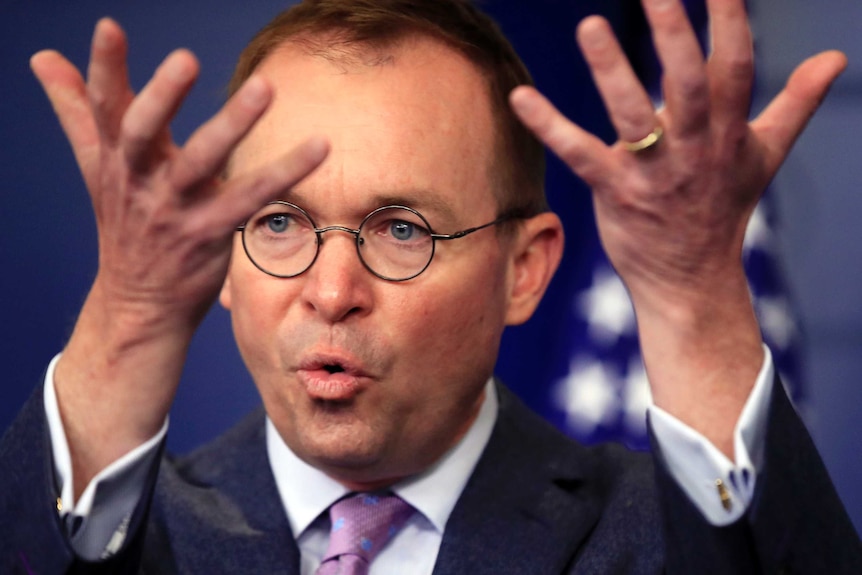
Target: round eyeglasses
{"x": 395, "y": 243}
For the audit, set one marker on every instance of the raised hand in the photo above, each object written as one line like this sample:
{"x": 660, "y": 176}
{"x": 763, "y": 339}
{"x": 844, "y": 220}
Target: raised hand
{"x": 165, "y": 218}
{"x": 672, "y": 216}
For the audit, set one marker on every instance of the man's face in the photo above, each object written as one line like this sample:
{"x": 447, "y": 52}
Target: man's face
{"x": 415, "y": 130}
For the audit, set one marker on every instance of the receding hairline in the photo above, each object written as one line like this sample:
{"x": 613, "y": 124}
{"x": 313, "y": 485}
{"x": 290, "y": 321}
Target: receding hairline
{"x": 362, "y": 30}
{"x": 336, "y": 47}
{"x": 331, "y": 46}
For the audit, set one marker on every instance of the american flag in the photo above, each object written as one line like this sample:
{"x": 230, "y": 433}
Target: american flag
{"x": 603, "y": 394}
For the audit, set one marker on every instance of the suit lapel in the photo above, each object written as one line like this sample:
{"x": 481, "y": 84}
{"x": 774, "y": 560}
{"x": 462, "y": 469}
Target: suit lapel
{"x": 239, "y": 523}
{"x": 524, "y": 509}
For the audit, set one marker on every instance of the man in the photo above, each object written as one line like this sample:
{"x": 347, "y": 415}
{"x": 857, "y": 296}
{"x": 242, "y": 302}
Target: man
{"x": 379, "y": 223}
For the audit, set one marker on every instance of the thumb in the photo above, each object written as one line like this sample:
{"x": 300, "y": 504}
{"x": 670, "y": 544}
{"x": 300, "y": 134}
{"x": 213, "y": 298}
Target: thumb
{"x": 780, "y": 124}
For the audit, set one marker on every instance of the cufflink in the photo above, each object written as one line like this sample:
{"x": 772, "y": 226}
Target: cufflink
{"x": 724, "y": 495}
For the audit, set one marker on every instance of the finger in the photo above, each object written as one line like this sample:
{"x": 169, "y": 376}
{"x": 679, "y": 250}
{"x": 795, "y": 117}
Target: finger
{"x": 731, "y": 64}
{"x": 583, "y": 152}
{"x": 628, "y": 104}
{"x": 207, "y": 150}
{"x": 684, "y": 82}
{"x": 242, "y": 196}
{"x": 67, "y": 93}
{"x": 780, "y": 124}
{"x": 145, "y": 125}
{"x": 107, "y": 78}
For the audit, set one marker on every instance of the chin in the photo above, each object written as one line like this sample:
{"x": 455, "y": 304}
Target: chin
{"x": 340, "y": 446}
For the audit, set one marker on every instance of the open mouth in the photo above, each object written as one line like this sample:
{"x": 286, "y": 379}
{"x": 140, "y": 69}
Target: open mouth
{"x": 331, "y": 380}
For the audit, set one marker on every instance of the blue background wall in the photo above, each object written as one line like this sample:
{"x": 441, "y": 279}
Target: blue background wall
{"x": 47, "y": 235}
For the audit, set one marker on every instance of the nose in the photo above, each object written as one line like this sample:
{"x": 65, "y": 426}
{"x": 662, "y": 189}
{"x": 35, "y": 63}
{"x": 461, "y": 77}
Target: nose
{"x": 338, "y": 286}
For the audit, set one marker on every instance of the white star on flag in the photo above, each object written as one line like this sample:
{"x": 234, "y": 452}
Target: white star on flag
{"x": 606, "y": 307}
{"x": 588, "y": 395}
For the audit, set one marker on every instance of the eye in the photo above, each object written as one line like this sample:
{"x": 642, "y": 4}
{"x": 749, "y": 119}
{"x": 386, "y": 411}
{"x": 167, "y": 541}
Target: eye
{"x": 402, "y": 230}
{"x": 396, "y": 227}
{"x": 278, "y": 223}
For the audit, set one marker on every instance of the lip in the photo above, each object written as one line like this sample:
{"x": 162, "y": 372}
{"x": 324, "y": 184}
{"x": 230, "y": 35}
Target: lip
{"x": 320, "y": 382}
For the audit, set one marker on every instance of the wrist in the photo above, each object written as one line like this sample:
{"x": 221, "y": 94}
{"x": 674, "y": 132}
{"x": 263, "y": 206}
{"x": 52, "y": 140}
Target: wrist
{"x": 115, "y": 382}
{"x": 702, "y": 350}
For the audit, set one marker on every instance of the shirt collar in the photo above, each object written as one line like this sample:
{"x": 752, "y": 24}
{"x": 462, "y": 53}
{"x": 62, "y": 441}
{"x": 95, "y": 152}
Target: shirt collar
{"x": 306, "y": 492}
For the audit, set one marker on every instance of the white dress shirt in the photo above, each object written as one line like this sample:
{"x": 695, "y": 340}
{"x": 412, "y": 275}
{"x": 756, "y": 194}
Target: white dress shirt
{"x": 306, "y": 493}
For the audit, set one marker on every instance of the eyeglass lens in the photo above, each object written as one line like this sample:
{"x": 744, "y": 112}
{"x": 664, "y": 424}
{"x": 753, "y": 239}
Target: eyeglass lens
{"x": 393, "y": 242}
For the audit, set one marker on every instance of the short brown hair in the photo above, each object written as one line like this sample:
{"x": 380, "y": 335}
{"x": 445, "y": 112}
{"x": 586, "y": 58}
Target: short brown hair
{"x": 519, "y": 166}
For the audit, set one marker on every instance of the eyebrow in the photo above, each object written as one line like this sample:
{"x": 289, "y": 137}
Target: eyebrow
{"x": 429, "y": 204}
{"x": 426, "y": 202}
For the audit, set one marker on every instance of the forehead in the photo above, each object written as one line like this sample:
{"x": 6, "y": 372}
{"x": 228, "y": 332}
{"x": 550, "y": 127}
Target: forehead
{"x": 414, "y": 122}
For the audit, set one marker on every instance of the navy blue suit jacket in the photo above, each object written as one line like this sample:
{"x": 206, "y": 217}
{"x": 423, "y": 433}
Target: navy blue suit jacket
{"x": 537, "y": 503}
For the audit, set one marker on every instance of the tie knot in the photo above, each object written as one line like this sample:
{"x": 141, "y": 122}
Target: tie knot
{"x": 362, "y": 525}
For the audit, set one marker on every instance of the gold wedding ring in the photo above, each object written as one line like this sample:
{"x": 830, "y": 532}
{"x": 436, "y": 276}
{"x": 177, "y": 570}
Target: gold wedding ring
{"x": 645, "y": 143}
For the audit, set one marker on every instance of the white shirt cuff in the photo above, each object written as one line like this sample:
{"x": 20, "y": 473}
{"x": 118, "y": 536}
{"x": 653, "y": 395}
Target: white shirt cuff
{"x": 722, "y": 489}
{"x": 63, "y": 459}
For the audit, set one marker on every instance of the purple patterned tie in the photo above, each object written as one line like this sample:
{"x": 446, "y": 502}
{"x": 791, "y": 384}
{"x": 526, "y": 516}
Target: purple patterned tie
{"x": 361, "y": 527}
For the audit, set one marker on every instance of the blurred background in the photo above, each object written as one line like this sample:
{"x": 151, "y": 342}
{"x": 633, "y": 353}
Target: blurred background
{"x": 577, "y": 360}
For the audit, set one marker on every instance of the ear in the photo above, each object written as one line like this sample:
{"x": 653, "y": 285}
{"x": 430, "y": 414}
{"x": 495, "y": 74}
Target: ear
{"x": 224, "y": 296}
{"x": 536, "y": 252}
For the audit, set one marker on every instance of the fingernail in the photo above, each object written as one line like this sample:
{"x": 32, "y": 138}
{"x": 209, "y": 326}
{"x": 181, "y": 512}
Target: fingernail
{"x": 101, "y": 37}
{"x": 521, "y": 102}
{"x": 175, "y": 68}
{"x": 255, "y": 92}
{"x": 316, "y": 148}
{"x": 34, "y": 59}
{"x": 592, "y": 33}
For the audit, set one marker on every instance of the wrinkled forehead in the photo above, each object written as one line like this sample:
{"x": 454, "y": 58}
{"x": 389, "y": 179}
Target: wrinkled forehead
{"x": 414, "y": 115}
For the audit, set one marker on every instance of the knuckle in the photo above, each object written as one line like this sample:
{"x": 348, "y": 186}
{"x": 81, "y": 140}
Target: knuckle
{"x": 693, "y": 87}
{"x": 98, "y": 97}
{"x": 196, "y": 227}
{"x": 261, "y": 183}
{"x": 740, "y": 68}
{"x": 734, "y": 139}
{"x": 192, "y": 168}
{"x": 559, "y": 139}
{"x": 132, "y": 132}
{"x": 635, "y": 126}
